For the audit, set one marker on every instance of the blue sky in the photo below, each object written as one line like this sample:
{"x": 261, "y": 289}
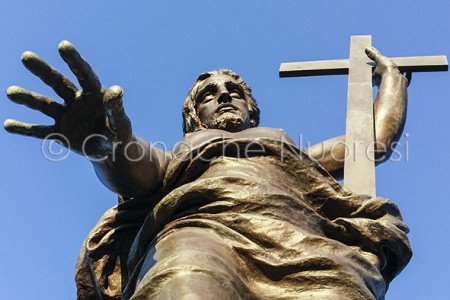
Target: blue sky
{"x": 155, "y": 50}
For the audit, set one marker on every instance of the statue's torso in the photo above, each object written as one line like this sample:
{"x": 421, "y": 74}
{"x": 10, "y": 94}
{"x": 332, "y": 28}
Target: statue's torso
{"x": 270, "y": 224}
{"x": 224, "y": 212}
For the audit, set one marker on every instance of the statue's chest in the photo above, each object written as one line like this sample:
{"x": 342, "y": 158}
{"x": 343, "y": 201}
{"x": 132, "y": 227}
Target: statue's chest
{"x": 204, "y": 137}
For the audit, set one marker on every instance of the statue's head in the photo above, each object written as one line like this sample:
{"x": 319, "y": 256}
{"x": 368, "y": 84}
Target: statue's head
{"x": 220, "y": 99}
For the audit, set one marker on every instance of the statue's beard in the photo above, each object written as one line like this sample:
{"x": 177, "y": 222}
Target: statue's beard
{"x": 229, "y": 122}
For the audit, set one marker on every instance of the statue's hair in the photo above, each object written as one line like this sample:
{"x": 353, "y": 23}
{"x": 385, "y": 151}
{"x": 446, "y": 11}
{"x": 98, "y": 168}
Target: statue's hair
{"x": 191, "y": 121}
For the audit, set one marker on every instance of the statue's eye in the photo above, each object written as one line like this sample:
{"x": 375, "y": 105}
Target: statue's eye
{"x": 207, "y": 97}
{"x": 236, "y": 94}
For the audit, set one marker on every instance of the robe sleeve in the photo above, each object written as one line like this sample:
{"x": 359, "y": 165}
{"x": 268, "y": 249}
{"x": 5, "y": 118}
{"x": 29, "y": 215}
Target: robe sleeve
{"x": 101, "y": 270}
{"x": 377, "y": 227}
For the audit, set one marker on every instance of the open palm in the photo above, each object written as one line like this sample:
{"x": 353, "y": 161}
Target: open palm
{"x": 90, "y": 120}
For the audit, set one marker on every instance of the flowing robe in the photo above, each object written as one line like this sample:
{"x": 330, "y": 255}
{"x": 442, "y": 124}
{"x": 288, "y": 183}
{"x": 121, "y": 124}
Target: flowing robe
{"x": 249, "y": 218}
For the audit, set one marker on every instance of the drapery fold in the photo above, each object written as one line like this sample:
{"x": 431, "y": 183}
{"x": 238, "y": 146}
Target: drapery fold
{"x": 286, "y": 227}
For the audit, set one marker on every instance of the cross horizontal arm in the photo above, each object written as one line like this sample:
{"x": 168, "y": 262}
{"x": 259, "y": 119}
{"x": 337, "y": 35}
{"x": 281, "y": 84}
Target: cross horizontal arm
{"x": 340, "y": 66}
{"x": 422, "y": 63}
{"x": 314, "y": 68}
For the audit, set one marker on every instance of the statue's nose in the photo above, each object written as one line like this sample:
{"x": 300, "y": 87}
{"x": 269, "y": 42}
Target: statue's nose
{"x": 224, "y": 96}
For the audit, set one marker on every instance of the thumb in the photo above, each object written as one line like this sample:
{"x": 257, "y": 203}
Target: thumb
{"x": 373, "y": 53}
{"x": 117, "y": 119}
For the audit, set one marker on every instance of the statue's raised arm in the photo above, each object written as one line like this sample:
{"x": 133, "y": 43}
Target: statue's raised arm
{"x": 390, "y": 116}
{"x": 91, "y": 122}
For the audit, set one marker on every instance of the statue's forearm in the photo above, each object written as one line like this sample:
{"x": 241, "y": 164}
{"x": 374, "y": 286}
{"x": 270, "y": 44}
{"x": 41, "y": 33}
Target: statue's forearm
{"x": 132, "y": 170}
{"x": 390, "y": 116}
{"x": 390, "y": 113}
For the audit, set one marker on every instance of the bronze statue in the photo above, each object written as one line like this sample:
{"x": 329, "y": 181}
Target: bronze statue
{"x": 236, "y": 211}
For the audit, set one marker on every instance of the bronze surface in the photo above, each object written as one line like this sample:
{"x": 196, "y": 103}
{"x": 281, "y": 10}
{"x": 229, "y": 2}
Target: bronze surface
{"x": 240, "y": 213}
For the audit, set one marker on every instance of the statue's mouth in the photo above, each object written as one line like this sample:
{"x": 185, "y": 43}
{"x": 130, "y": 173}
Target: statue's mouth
{"x": 225, "y": 108}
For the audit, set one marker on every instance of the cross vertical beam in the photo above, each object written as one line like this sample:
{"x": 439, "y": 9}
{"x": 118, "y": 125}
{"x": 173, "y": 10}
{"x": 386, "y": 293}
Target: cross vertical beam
{"x": 359, "y": 165}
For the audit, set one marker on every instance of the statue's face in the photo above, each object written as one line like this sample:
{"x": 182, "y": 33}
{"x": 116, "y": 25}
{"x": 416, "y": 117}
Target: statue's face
{"x": 221, "y": 104}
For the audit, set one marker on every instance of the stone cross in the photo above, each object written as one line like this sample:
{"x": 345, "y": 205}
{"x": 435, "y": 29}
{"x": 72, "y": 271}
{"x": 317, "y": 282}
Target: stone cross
{"x": 359, "y": 164}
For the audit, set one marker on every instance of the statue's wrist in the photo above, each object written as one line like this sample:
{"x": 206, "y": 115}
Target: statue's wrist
{"x": 390, "y": 71}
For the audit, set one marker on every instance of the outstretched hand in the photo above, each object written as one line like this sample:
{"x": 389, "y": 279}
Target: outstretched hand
{"x": 384, "y": 65}
{"x": 91, "y": 118}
